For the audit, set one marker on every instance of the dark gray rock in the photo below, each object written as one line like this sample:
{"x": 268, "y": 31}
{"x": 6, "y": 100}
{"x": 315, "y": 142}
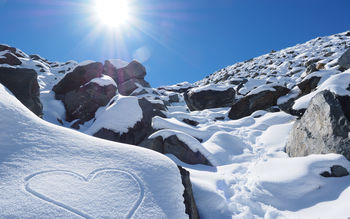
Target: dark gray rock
{"x": 336, "y": 171}
{"x": 190, "y": 203}
{"x": 306, "y": 86}
{"x": 10, "y": 59}
{"x": 208, "y": 99}
{"x": 129, "y": 86}
{"x": 190, "y": 122}
{"x": 127, "y": 77}
{"x": 311, "y": 68}
{"x": 174, "y": 98}
{"x": 82, "y": 103}
{"x": 79, "y": 76}
{"x": 172, "y": 145}
{"x": 322, "y": 129}
{"x": 344, "y": 60}
{"x": 141, "y": 130}
{"x": 261, "y": 101}
{"x": 24, "y": 85}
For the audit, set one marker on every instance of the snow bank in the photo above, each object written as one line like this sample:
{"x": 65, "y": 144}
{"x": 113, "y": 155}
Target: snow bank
{"x": 49, "y": 171}
{"x": 121, "y": 115}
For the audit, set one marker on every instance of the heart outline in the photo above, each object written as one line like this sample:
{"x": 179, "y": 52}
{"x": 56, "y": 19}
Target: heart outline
{"x": 87, "y": 180}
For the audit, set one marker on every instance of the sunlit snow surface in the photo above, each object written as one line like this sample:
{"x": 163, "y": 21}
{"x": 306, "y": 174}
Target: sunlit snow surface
{"x": 47, "y": 171}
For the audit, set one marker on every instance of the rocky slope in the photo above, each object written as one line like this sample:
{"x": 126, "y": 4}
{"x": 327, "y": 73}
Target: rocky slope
{"x": 236, "y": 131}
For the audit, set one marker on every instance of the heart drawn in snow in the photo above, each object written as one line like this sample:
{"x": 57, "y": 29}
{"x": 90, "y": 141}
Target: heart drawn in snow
{"x": 105, "y": 192}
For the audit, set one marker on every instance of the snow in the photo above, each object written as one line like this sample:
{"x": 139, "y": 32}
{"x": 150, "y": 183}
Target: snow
{"x": 49, "y": 171}
{"x": 105, "y": 80}
{"x": 121, "y": 115}
{"x": 213, "y": 87}
{"x": 118, "y": 63}
{"x": 261, "y": 88}
{"x": 336, "y": 83}
{"x": 86, "y": 62}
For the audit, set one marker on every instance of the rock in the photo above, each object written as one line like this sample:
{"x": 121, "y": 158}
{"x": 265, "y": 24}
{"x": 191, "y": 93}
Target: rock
{"x": 320, "y": 66}
{"x": 173, "y": 145}
{"x": 307, "y": 85}
{"x": 13, "y": 50}
{"x": 127, "y": 77}
{"x": 207, "y": 99}
{"x": 129, "y": 86}
{"x": 141, "y": 130}
{"x": 336, "y": 171}
{"x": 311, "y": 61}
{"x": 190, "y": 203}
{"x": 260, "y": 101}
{"x": 10, "y": 59}
{"x": 344, "y": 60}
{"x": 339, "y": 171}
{"x": 79, "y": 76}
{"x": 190, "y": 122}
{"x": 174, "y": 98}
{"x": 24, "y": 85}
{"x": 311, "y": 68}
{"x": 322, "y": 129}
{"x": 82, "y": 103}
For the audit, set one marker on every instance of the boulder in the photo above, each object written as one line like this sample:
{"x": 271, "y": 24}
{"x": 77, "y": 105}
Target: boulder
{"x": 24, "y": 85}
{"x": 129, "y": 86}
{"x": 10, "y": 59}
{"x": 173, "y": 145}
{"x": 82, "y": 103}
{"x": 190, "y": 203}
{"x": 323, "y": 128}
{"x": 79, "y": 76}
{"x": 127, "y": 77}
{"x": 307, "y": 85}
{"x": 260, "y": 101}
{"x": 344, "y": 60}
{"x": 137, "y": 134}
{"x": 200, "y": 99}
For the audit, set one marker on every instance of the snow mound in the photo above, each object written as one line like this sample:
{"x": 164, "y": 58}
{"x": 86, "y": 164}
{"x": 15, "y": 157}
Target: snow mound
{"x": 49, "y": 171}
{"x": 105, "y": 80}
{"x": 121, "y": 115}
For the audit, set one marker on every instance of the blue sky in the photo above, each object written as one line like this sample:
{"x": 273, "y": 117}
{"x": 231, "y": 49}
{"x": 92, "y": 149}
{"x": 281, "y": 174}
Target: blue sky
{"x": 182, "y": 40}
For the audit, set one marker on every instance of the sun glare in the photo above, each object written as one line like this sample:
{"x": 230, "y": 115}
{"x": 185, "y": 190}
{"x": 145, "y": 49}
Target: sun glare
{"x": 112, "y": 13}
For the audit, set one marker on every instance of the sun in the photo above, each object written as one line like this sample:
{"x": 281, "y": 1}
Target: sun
{"x": 112, "y": 13}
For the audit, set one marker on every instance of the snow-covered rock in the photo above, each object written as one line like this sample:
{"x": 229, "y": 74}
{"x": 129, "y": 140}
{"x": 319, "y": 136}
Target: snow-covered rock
{"x": 324, "y": 128}
{"x": 209, "y": 96}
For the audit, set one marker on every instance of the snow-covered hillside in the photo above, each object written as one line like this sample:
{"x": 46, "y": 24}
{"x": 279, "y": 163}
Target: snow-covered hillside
{"x": 241, "y": 133}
